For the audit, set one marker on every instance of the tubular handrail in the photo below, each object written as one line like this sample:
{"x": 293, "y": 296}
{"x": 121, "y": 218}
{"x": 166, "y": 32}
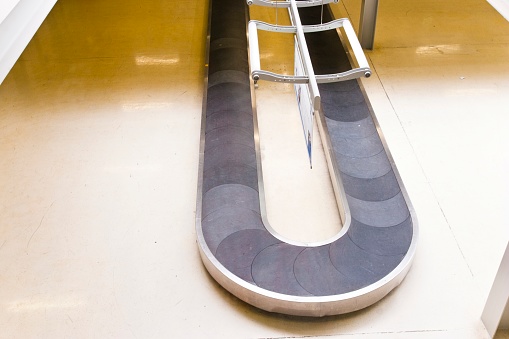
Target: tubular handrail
{"x": 363, "y": 69}
{"x": 286, "y": 3}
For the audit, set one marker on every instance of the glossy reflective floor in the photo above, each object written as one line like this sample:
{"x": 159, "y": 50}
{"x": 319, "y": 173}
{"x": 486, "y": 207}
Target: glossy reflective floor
{"x": 99, "y": 139}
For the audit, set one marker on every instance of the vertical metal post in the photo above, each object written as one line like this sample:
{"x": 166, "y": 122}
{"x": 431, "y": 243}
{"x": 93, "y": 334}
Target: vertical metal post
{"x": 367, "y": 24}
{"x": 306, "y": 60}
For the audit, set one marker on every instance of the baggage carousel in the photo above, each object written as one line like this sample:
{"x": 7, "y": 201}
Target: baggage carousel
{"x": 374, "y": 250}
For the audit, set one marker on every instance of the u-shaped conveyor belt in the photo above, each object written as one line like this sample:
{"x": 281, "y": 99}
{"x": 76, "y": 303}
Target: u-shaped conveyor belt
{"x": 349, "y": 273}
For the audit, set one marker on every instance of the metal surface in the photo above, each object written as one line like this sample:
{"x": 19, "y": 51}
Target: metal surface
{"x": 306, "y": 61}
{"x": 286, "y": 4}
{"x": 203, "y": 120}
{"x": 297, "y": 29}
{"x": 369, "y": 12}
{"x": 362, "y": 69}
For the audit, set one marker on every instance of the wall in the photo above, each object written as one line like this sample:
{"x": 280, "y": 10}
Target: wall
{"x": 19, "y": 20}
{"x": 496, "y": 311}
{"x": 502, "y": 6}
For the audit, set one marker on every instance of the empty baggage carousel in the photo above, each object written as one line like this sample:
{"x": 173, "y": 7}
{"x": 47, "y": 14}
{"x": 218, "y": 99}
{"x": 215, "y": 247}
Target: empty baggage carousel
{"x": 374, "y": 250}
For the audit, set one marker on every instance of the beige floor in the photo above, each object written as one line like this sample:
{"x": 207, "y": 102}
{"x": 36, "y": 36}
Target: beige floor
{"x": 99, "y": 134}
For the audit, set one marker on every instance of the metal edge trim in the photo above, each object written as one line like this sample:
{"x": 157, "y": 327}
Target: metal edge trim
{"x": 199, "y": 193}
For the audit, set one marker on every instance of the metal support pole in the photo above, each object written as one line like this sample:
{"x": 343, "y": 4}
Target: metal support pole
{"x": 367, "y": 25}
{"x": 306, "y": 60}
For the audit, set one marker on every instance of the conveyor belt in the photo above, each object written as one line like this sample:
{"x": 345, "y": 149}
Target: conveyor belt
{"x": 348, "y": 273}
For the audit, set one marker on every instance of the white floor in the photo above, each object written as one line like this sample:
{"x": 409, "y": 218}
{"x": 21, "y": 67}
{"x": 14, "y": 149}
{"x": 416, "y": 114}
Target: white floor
{"x": 99, "y": 138}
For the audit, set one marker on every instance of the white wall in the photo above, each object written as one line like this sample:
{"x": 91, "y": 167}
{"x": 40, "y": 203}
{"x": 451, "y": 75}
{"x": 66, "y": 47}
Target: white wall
{"x": 496, "y": 311}
{"x": 6, "y": 7}
{"x": 502, "y": 6}
{"x": 19, "y": 20}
